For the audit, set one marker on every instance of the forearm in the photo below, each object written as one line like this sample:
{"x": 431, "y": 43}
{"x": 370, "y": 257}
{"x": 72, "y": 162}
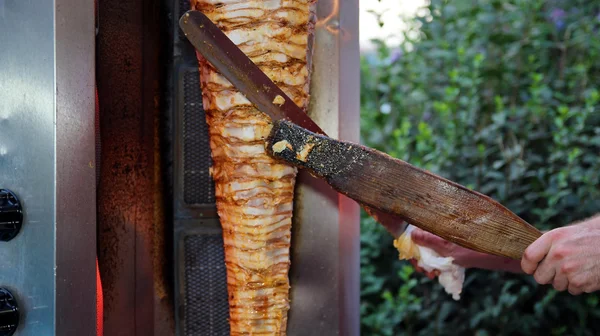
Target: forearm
{"x": 494, "y": 263}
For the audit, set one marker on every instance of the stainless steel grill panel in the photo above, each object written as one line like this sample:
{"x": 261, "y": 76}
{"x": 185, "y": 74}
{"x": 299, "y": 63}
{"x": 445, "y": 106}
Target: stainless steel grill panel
{"x": 46, "y": 155}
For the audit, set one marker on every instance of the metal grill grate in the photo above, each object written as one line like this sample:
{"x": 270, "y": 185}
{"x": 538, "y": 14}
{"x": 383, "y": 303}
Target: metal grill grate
{"x": 206, "y": 305}
{"x": 198, "y": 186}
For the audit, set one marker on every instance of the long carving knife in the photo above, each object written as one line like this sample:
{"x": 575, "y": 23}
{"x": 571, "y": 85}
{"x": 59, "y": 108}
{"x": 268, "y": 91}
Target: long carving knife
{"x": 391, "y": 190}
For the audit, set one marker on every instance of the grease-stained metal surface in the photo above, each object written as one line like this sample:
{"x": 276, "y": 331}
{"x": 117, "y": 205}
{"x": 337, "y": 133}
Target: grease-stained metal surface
{"x": 324, "y": 271}
{"x": 75, "y": 232}
{"x": 133, "y": 237}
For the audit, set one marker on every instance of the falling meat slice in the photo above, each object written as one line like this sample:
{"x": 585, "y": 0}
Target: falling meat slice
{"x": 450, "y": 275}
{"x": 254, "y": 194}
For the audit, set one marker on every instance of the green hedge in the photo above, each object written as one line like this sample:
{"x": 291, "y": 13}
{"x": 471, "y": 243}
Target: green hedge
{"x": 502, "y": 97}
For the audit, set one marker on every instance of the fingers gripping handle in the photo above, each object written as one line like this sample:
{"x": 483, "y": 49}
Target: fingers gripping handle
{"x": 425, "y": 200}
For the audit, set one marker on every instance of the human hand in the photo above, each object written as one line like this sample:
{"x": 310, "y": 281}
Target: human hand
{"x": 567, "y": 257}
{"x": 424, "y": 259}
{"x": 462, "y": 256}
{"x": 430, "y": 275}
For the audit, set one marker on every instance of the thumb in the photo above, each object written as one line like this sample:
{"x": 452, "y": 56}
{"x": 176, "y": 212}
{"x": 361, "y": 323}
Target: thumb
{"x": 535, "y": 252}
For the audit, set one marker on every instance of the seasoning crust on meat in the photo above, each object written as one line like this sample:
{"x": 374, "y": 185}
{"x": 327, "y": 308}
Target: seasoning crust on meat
{"x": 254, "y": 193}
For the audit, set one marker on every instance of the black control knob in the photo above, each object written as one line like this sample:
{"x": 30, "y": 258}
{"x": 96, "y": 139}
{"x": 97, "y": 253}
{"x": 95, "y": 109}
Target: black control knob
{"x": 11, "y": 215}
{"x": 9, "y": 313}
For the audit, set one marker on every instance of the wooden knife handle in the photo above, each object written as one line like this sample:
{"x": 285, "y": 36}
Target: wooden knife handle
{"x": 428, "y": 201}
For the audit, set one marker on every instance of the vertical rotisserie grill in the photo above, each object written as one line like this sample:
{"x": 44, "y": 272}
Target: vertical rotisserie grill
{"x": 160, "y": 246}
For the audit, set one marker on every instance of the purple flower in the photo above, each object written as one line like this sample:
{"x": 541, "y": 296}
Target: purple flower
{"x": 395, "y": 56}
{"x": 557, "y": 15}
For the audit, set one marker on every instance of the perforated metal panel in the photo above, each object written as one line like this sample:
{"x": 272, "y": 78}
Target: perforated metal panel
{"x": 198, "y": 186}
{"x": 202, "y": 307}
{"x": 206, "y": 306}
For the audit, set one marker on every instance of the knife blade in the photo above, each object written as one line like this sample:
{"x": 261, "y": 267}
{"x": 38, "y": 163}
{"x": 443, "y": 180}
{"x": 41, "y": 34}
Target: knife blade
{"x": 233, "y": 64}
{"x": 389, "y": 189}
